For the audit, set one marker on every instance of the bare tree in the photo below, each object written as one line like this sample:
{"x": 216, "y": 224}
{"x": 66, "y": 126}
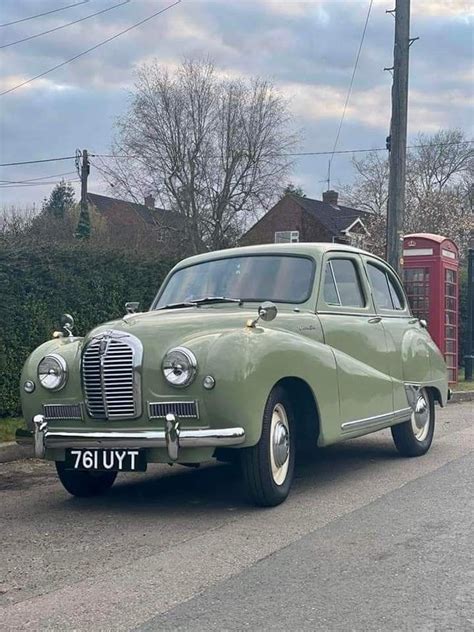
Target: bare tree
{"x": 210, "y": 148}
{"x": 439, "y": 194}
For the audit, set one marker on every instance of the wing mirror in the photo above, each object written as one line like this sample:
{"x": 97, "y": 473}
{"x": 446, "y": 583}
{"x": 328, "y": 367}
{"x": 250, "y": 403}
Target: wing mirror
{"x": 132, "y": 307}
{"x": 67, "y": 323}
{"x": 267, "y": 311}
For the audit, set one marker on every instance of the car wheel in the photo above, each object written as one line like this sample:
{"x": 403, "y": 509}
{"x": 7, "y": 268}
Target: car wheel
{"x": 414, "y": 437}
{"x": 268, "y": 466}
{"x": 84, "y": 484}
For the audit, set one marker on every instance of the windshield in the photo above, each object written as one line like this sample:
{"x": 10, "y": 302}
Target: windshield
{"x": 278, "y": 278}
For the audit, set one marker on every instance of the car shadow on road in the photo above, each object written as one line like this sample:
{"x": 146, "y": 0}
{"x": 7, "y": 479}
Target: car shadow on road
{"x": 217, "y": 487}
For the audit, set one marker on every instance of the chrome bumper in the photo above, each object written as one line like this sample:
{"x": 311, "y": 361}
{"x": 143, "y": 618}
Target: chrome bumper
{"x": 172, "y": 437}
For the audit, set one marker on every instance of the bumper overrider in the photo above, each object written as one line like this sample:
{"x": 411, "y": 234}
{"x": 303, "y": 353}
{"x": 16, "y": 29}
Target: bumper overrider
{"x": 172, "y": 437}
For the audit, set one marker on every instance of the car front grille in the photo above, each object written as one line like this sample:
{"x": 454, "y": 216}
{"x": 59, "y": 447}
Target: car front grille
{"x": 159, "y": 410}
{"x": 110, "y": 377}
{"x": 62, "y": 411}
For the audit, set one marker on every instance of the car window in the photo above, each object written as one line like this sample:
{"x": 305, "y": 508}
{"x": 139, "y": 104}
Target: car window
{"x": 342, "y": 284}
{"x": 385, "y": 291}
{"x": 330, "y": 291}
{"x": 279, "y": 278}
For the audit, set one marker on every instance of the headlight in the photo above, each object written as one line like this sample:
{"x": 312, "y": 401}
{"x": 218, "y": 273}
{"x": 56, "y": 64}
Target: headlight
{"x": 52, "y": 372}
{"x": 179, "y": 366}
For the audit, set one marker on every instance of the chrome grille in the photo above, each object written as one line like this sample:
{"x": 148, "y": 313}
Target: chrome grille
{"x": 110, "y": 378}
{"x": 158, "y": 410}
{"x": 62, "y": 411}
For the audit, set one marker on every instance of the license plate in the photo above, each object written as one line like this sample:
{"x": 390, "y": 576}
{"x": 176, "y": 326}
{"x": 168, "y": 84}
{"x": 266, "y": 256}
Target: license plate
{"x": 106, "y": 460}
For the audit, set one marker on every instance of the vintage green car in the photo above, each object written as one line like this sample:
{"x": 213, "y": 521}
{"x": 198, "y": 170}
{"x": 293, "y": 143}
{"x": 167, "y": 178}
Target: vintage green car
{"x": 246, "y": 354}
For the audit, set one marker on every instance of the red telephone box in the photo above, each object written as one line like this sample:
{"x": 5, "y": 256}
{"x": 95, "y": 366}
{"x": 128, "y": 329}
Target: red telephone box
{"x": 430, "y": 272}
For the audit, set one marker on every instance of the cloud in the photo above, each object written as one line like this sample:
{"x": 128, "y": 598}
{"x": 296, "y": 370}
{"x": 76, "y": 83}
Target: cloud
{"x": 306, "y": 48}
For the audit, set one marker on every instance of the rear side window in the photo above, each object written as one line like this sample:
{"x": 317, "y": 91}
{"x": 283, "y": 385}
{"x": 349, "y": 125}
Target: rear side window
{"x": 342, "y": 285}
{"x": 387, "y": 295}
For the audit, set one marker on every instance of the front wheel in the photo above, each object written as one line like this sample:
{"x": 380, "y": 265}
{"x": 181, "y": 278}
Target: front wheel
{"x": 414, "y": 437}
{"x": 268, "y": 466}
{"x": 83, "y": 484}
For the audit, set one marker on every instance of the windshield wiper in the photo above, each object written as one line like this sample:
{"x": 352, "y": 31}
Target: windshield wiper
{"x": 216, "y": 299}
{"x": 206, "y": 300}
{"x": 177, "y": 305}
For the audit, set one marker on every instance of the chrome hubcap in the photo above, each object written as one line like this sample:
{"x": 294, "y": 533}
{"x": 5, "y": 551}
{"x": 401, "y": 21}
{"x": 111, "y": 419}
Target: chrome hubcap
{"x": 279, "y": 444}
{"x": 420, "y": 418}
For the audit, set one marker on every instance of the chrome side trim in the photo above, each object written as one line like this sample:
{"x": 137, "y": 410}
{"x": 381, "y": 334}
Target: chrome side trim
{"x": 44, "y": 438}
{"x": 394, "y": 417}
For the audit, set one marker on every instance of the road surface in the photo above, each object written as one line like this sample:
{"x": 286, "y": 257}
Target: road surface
{"x": 366, "y": 541}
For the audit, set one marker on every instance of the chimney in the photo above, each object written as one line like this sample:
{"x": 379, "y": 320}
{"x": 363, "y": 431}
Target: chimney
{"x": 330, "y": 197}
{"x": 150, "y": 201}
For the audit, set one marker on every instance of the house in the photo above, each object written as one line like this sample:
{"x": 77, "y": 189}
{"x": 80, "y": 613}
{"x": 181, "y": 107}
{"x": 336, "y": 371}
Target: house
{"x": 123, "y": 214}
{"x": 130, "y": 223}
{"x": 296, "y": 218}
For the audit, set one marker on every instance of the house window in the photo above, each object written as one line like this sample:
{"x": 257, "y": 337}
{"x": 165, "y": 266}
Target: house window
{"x": 287, "y": 236}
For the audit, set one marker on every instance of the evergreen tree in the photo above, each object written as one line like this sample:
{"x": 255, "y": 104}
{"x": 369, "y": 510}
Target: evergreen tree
{"x": 293, "y": 190}
{"x": 60, "y": 200}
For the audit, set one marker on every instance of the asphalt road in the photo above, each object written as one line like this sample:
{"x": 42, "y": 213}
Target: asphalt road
{"x": 366, "y": 541}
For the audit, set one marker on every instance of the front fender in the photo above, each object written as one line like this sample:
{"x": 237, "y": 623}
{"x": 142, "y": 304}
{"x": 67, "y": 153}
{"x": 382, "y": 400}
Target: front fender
{"x": 70, "y": 349}
{"x": 247, "y": 364}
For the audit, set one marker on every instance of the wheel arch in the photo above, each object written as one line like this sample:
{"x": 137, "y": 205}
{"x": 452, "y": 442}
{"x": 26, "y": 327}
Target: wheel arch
{"x": 435, "y": 394}
{"x": 305, "y": 408}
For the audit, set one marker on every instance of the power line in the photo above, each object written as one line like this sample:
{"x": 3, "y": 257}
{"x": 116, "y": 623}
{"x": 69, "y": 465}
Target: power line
{"x": 33, "y": 184}
{"x": 63, "y": 26}
{"x": 351, "y": 83}
{"x": 53, "y": 175}
{"x": 89, "y": 50}
{"x": 38, "y": 15}
{"x": 324, "y": 153}
{"x": 31, "y": 162}
{"x": 302, "y": 153}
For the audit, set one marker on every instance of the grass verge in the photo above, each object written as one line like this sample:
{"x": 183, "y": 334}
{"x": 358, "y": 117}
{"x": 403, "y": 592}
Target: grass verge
{"x": 8, "y": 427}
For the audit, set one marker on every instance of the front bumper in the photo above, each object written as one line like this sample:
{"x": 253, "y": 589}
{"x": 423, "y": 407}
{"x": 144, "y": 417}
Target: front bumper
{"x": 172, "y": 438}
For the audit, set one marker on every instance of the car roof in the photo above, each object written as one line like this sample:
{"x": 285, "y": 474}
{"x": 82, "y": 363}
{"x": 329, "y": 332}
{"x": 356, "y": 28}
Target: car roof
{"x": 301, "y": 248}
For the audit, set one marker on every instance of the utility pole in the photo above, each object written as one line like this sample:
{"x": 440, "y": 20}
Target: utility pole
{"x": 469, "y": 357}
{"x": 398, "y": 135}
{"x": 83, "y": 229}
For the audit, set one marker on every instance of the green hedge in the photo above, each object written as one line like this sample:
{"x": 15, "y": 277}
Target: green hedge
{"x": 39, "y": 283}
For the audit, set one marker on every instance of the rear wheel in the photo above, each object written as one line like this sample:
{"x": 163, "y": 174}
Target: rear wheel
{"x": 268, "y": 466}
{"x": 414, "y": 437}
{"x": 84, "y": 484}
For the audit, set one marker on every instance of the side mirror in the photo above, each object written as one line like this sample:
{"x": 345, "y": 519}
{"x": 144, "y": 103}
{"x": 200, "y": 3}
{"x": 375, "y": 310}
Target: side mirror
{"x": 267, "y": 311}
{"x": 132, "y": 307}
{"x": 67, "y": 323}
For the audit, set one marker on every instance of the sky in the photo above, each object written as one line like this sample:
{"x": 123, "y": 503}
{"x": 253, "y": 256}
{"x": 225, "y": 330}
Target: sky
{"x": 307, "y": 49}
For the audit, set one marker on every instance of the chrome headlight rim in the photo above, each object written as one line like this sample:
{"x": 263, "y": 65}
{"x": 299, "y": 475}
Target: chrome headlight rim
{"x": 191, "y": 369}
{"x": 63, "y": 372}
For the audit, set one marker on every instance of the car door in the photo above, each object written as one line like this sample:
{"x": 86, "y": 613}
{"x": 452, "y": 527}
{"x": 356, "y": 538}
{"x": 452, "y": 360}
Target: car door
{"x": 408, "y": 343}
{"x": 355, "y": 333}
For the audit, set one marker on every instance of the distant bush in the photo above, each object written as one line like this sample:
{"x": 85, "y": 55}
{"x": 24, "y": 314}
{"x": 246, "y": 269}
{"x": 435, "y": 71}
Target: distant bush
{"x": 39, "y": 282}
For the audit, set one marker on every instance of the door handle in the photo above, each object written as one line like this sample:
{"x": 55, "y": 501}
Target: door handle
{"x": 413, "y": 321}
{"x": 376, "y": 319}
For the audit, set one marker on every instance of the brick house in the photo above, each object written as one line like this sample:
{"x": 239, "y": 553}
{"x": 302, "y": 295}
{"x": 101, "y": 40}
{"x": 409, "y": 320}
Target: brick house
{"x": 130, "y": 223}
{"x": 295, "y": 218}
